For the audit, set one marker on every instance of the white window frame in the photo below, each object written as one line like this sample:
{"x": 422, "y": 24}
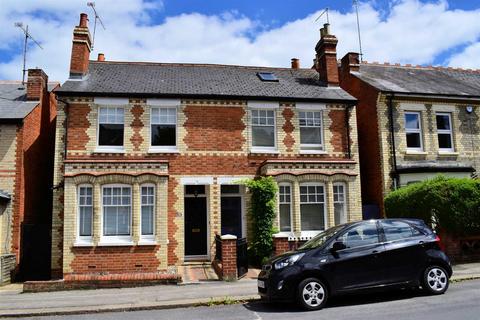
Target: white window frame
{"x": 123, "y": 240}
{"x": 260, "y": 149}
{"x": 312, "y": 233}
{"x": 445, "y": 131}
{"x": 310, "y": 147}
{"x": 344, "y": 202}
{"x": 164, "y": 149}
{"x": 110, "y": 149}
{"x": 286, "y": 184}
{"x": 84, "y": 240}
{"x": 149, "y": 238}
{"x": 419, "y": 130}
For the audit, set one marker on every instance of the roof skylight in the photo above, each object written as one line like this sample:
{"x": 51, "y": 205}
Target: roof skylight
{"x": 267, "y": 76}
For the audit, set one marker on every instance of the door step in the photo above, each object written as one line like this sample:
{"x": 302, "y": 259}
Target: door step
{"x": 197, "y": 272}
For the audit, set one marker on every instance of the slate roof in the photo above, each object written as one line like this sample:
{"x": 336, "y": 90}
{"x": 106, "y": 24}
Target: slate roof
{"x": 421, "y": 80}
{"x": 13, "y": 104}
{"x": 200, "y": 80}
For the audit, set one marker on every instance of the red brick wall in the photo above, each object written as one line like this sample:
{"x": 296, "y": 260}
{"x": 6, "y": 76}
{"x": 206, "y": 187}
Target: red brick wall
{"x": 32, "y": 203}
{"x": 338, "y": 130}
{"x": 368, "y": 139}
{"x": 77, "y": 137}
{"x": 172, "y": 227}
{"x": 229, "y": 259}
{"x": 214, "y": 128}
{"x": 115, "y": 259}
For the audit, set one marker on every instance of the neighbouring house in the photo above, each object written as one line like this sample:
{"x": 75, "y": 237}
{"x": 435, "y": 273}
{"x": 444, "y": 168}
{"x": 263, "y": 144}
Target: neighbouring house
{"x": 149, "y": 157}
{"x": 414, "y": 122}
{"x": 27, "y": 132}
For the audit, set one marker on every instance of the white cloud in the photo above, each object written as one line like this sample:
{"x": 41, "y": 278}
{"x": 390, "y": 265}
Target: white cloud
{"x": 468, "y": 58}
{"x": 410, "y": 32}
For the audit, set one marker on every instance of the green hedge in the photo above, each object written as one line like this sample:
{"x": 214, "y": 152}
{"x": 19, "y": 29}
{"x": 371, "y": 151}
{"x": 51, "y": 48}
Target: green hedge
{"x": 452, "y": 204}
{"x": 262, "y": 213}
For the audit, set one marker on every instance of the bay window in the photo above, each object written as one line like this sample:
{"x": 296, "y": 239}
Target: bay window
{"x": 117, "y": 211}
{"x": 285, "y": 206}
{"x": 312, "y": 207}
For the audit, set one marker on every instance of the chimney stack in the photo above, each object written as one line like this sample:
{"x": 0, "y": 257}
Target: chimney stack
{"x": 350, "y": 63}
{"x": 326, "y": 57}
{"x": 101, "y": 57}
{"x": 295, "y": 63}
{"x": 36, "y": 84}
{"x": 82, "y": 45}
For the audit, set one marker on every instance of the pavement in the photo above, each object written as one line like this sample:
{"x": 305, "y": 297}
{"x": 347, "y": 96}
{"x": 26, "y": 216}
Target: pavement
{"x": 14, "y": 303}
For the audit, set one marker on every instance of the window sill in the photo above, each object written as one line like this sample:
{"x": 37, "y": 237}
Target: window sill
{"x": 415, "y": 152}
{"x": 147, "y": 242}
{"x": 313, "y": 152}
{"x": 448, "y": 153}
{"x": 163, "y": 150}
{"x": 115, "y": 243}
{"x": 269, "y": 151}
{"x": 108, "y": 150}
{"x": 83, "y": 243}
{"x": 307, "y": 235}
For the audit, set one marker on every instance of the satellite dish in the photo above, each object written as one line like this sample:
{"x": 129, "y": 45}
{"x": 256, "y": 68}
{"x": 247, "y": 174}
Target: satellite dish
{"x": 469, "y": 109}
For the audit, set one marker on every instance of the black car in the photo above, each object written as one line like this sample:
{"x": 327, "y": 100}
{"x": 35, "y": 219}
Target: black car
{"x": 358, "y": 256}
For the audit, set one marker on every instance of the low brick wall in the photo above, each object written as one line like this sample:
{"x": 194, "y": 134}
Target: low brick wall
{"x": 226, "y": 268}
{"x": 95, "y": 281}
{"x": 461, "y": 249}
{"x": 7, "y": 266}
{"x": 284, "y": 243}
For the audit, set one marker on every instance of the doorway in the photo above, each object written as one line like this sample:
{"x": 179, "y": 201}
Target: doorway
{"x": 196, "y": 226}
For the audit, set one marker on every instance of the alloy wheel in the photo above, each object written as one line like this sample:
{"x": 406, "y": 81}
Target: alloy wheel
{"x": 437, "y": 280}
{"x": 313, "y": 294}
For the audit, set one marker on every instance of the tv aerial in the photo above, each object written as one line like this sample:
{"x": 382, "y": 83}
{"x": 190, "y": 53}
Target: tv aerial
{"x": 25, "y": 46}
{"x": 355, "y": 3}
{"x": 321, "y": 15}
{"x": 97, "y": 18}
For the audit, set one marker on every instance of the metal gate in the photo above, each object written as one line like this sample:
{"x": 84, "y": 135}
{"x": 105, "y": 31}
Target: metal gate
{"x": 242, "y": 257}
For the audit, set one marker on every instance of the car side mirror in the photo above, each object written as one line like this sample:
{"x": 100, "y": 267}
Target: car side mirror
{"x": 338, "y": 245}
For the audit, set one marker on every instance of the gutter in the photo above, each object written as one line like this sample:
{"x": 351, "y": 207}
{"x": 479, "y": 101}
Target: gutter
{"x": 347, "y": 125}
{"x": 390, "y": 97}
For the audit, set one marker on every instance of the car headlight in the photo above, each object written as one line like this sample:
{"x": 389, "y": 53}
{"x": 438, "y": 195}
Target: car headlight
{"x": 288, "y": 261}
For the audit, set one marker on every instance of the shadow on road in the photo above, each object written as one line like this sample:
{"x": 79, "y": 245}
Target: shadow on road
{"x": 336, "y": 302}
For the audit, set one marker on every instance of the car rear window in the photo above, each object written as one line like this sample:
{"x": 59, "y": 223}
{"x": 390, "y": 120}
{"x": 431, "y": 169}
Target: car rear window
{"x": 396, "y": 230}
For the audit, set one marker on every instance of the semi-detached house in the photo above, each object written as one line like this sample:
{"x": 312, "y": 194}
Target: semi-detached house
{"x": 149, "y": 155}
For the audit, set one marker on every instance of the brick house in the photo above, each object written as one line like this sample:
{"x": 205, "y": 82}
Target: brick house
{"x": 149, "y": 156}
{"x": 413, "y": 123}
{"x": 27, "y": 131}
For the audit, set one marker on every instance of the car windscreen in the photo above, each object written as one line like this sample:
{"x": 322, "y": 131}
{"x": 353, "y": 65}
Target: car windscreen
{"x": 321, "y": 238}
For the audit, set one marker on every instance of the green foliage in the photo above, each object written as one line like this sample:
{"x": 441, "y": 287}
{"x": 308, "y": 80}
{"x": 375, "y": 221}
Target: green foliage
{"x": 452, "y": 204}
{"x": 262, "y": 213}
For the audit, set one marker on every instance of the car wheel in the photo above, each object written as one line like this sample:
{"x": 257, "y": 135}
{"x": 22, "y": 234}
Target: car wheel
{"x": 312, "y": 294}
{"x": 435, "y": 280}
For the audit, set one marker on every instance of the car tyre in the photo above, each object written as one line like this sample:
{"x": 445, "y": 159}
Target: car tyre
{"x": 435, "y": 280}
{"x": 312, "y": 294}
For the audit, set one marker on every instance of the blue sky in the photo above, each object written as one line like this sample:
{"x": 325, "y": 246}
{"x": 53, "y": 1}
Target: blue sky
{"x": 261, "y": 32}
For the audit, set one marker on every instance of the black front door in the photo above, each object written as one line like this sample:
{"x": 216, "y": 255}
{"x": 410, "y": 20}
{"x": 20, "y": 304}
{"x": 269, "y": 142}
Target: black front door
{"x": 232, "y": 216}
{"x": 195, "y": 226}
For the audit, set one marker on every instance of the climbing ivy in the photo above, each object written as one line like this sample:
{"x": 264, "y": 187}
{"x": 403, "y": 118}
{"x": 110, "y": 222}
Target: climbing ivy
{"x": 263, "y": 192}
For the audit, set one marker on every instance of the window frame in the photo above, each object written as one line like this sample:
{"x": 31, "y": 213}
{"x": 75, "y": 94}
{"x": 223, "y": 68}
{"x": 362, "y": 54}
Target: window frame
{"x": 445, "y": 131}
{"x": 84, "y": 240}
{"x": 148, "y": 238}
{"x": 419, "y": 130}
{"x": 107, "y": 148}
{"x": 311, "y": 233}
{"x": 384, "y": 234}
{"x": 310, "y": 147}
{"x": 263, "y": 149}
{"x": 345, "y": 202}
{"x": 167, "y": 149}
{"x": 115, "y": 240}
{"x": 286, "y": 184}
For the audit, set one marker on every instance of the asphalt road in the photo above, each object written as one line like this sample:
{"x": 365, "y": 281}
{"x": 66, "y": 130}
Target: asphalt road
{"x": 460, "y": 302}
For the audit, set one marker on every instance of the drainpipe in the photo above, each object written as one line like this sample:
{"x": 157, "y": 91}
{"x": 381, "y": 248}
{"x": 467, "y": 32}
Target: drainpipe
{"x": 390, "y": 98}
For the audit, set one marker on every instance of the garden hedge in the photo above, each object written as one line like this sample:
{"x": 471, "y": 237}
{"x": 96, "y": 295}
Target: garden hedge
{"x": 450, "y": 204}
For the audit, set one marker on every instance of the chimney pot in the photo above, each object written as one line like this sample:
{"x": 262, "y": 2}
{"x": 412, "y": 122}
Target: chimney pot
{"x": 83, "y": 20}
{"x": 326, "y": 57}
{"x": 326, "y": 28}
{"x": 101, "y": 57}
{"x": 295, "y": 63}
